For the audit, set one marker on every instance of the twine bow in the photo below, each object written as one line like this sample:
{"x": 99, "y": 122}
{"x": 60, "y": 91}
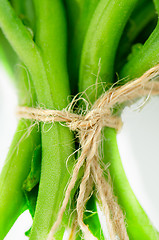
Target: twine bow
{"x": 89, "y": 131}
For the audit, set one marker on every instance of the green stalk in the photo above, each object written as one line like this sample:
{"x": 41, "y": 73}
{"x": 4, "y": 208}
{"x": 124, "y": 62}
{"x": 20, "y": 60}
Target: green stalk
{"x": 25, "y": 10}
{"x": 138, "y": 224}
{"x": 143, "y": 14}
{"x": 57, "y": 143}
{"x": 144, "y": 59}
{"x": 14, "y": 172}
{"x": 79, "y": 16}
{"x": 156, "y": 5}
{"x": 103, "y": 21}
{"x": 53, "y": 48}
{"x": 26, "y": 49}
{"x": 24, "y": 143}
{"x": 18, "y": 162}
{"x": 7, "y": 56}
{"x": 101, "y": 43}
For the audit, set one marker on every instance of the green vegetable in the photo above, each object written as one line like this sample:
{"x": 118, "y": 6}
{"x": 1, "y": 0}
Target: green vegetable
{"x": 34, "y": 175}
{"x": 143, "y": 15}
{"x": 99, "y": 49}
{"x": 18, "y": 163}
{"x": 57, "y": 142}
{"x": 156, "y": 5}
{"x": 7, "y": 56}
{"x": 63, "y": 46}
{"x": 31, "y": 199}
{"x": 144, "y": 59}
{"x": 25, "y": 140}
{"x": 25, "y": 10}
{"x": 138, "y": 224}
{"x": 79, "y": 15}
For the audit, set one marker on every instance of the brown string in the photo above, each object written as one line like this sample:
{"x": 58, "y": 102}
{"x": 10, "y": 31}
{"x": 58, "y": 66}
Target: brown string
{"x": 89, "y": 128}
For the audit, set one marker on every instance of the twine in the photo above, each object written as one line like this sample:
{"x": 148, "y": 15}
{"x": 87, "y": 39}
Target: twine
{"x": 89, "y": 129}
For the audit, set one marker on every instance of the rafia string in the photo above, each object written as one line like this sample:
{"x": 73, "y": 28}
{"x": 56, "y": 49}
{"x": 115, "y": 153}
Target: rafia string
{"x": 89, "y": 127}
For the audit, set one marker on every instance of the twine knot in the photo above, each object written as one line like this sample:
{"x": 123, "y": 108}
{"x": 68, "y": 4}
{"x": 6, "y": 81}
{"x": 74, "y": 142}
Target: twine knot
{"x": 89, "y": 127}
{"x": 94, "y": 118}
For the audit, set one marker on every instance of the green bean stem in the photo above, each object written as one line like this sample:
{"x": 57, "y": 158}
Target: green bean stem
{"x": 138, "y": 224}
{"x": 144, "y": 59}
{"x": 79, "y": 16}
{"x": 25, "y": 10}
{"x": 156, "y": 5}
{"x": 26, "y": 49}
{"x": 143, "y": 14}
{"x": 101, "y": 43}
{"x": 57, "y": 143}
{"x": 18, "y": 161}
{"x": 14, "y": 172}
{"x": 27, "y": 137}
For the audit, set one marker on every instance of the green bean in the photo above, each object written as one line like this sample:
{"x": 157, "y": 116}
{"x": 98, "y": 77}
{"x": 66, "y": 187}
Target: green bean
{"x": 33, "y": 177}
{"x": 24, "y": 142}
{"x": 138, "y": 224}
{"x": 56, "y": 142}
{"x": 79, "y": 16}
{"x": 31, "y": 199}
{"x": 101, "y": 43}
{"x": 25, "y": 10}
{"x": 92, "y": 220}
{"x": 12, "y": 198}
{"x": 21, "y": 141}
{"x": 145, "y": 58}
{"x": 143, "y": 14}
{"x": 25, "y": 88}
{"x": 156, "y": 5}
{"x": 7, "y": 56}
{"x": 17, "y": 163}
{"x": 26, "y": 49}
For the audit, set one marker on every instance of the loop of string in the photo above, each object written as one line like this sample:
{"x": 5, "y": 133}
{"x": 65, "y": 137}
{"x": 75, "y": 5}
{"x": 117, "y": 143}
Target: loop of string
{"x": 89, "y": 127}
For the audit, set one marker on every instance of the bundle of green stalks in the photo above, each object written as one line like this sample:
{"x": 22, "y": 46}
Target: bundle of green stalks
{"x": 56, "y": 49}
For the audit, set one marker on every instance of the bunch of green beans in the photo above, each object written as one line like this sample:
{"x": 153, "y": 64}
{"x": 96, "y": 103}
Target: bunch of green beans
{"x": 53, "y": 50}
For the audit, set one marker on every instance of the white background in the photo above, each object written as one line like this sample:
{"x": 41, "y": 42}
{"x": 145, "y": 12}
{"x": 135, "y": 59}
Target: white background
{"x": 138, "y": 144}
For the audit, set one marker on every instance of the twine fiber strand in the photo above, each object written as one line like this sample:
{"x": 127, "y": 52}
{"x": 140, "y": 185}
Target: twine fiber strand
{"x": 88, "y": 128}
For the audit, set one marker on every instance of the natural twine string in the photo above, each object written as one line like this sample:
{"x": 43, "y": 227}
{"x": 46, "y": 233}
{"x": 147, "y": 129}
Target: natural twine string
{"x": 89, "y": 129}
